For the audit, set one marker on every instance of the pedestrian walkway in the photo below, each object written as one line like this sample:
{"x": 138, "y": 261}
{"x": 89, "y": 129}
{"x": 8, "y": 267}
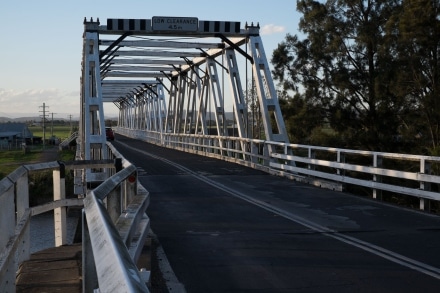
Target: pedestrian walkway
{"x": 51, "y": 269}
{"x": 56, "y": 269}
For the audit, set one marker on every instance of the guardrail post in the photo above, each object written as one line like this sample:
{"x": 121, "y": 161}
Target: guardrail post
{"x": 266, "y": 154}
{"x": 239, "y": 147}
{"x": 22, "y": 204}
{"x": 130, "y": 189}
{"x": 114, "y": 197}
{"x": 254, "y": 151}
{"x": 59, "y": 193}
{"x": 229, "y": 146}
{"x": 22, "y": 189}
{"x": 217, "y": 146}
{"x": 311, "y": 155}
{"x": 425, "y": 168}
{"x": 340, "y": 159}
{"x": 377, "y": 163}
{"x": 7, "y": 225}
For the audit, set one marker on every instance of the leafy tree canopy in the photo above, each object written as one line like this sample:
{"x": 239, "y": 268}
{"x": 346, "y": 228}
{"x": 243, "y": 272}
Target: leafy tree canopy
{"x": 369, "y": 68}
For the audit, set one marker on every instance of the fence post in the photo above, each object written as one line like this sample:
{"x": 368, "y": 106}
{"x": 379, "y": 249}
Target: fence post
{"x": 59, "y": 193}
{"x": 266, "y": 154}
{"x": 377, "y": 163}
{"x": 311, "y": 155}
{"x": 22, "y": 204}
{"x": 425, "y": 168}
{"x": 22, "y": 189}
{"x": 240, "y": 147}
{"x": 340, "y": 159}
{"x": 7, "y": 226}
{"x": 229, "y": 146}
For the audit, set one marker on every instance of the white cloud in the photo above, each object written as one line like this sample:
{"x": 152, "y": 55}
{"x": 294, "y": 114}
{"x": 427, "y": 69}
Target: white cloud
{"x": 270, "y": 29}
{"x": 16, "y": 103}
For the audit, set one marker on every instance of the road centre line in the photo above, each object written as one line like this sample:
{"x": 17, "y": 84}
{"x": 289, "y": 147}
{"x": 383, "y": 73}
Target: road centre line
{"x": 366, "y": 246}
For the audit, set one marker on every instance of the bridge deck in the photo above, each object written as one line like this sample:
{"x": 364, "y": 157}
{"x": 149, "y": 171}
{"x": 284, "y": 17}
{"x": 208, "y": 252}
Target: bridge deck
{"x": 56, "y": 269}
{"x": 227, "y": 228}
{"x": 59, "y": 269}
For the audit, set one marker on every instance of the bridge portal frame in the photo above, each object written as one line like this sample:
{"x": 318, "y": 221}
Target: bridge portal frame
{"x": 139, "y": 65}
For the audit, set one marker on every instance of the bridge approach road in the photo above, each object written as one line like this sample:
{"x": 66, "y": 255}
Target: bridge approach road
{"x": 228, "y": 228}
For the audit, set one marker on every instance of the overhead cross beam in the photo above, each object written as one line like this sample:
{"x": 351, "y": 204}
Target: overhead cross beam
{"x": 170, "y": 74}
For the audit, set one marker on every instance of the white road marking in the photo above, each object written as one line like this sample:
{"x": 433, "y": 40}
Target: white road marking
{"x": 366, "y": 246}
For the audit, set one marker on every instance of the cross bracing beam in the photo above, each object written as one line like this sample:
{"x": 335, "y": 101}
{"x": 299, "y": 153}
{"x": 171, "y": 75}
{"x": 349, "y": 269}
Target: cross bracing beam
{"x": 149, "y": 61}
{"x": 140, "y": 68}
{"x": 134, "y": 74}
{"x": 212, "y": 53}
{"x": 127, "y": 82}
{"x": 163, "y": 44}
{"x": 157, "y": 53}
{"x": 184, "y": 75}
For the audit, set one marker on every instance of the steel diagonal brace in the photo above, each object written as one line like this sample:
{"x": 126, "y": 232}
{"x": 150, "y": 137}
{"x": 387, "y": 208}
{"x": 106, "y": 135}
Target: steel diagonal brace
{"x": 117, "y": 105}
{"x": 106, "y": 64}
{"x": 191, "y": 65}
{"x": 149, "y": 87}
{"x": 161, "y": 82}
{"x": 240, "y": 50}
{"x": 114, "y": 44}
{"x": 170, "y": 78}
{"x": 213, "y": 59}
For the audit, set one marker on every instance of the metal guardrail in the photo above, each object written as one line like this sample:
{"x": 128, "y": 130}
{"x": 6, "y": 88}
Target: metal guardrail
{"x": 68, "y": 140}
{"x": 15, "y": 215}
{"x": 115, "y": 225}
{"x": 116, "y": 232}
{"x": 334, "y": 168}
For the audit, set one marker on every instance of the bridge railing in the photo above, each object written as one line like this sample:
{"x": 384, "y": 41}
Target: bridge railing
{"x": 114, "y": 214}
{"x": 398, "y": 174}
{"x": 65, "y": 143}
{"x": 115, "y": 227}
{"x": 376, "y": 172}
{"x": 15, "y": 216}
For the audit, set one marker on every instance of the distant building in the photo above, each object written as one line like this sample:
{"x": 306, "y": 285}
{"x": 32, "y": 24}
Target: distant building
{"x": 14, "y": 134}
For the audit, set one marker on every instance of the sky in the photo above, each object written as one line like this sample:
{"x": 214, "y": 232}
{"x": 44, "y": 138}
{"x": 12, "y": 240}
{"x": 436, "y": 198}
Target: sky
{"x": 41, "y": 43}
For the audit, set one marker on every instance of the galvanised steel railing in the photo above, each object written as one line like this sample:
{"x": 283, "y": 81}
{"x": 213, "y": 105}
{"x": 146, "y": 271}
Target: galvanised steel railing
{"x": 376, "y": 172}
{"x": 115, "y": 225}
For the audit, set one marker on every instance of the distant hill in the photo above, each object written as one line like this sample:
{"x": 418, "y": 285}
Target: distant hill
{"x": 19, "y": 119}
{"x": 6, "y": 119}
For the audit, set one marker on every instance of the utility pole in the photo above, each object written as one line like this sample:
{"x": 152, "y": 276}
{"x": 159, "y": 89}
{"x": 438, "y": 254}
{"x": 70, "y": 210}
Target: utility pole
{"x": 44, "y": 123}
{"x": 70, "y": 119}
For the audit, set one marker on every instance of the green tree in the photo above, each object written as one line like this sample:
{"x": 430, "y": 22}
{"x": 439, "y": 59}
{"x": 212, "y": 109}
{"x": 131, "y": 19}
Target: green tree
{"x": 413, "y": 33}
{"x": 343, "y": 68}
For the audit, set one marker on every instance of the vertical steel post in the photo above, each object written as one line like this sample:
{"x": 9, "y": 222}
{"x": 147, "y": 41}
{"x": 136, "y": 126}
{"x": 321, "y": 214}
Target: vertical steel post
{"x": 377, "y": 163}
{"x": 114, "y": 197}
{"x": 92, "y": 131}
{"x": 425, "y": 168}
{"x": 60, "y": 217}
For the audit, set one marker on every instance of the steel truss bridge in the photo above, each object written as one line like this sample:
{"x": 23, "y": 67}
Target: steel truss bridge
{"x": 175, "y": 75}
{"x": 174, "y": 79}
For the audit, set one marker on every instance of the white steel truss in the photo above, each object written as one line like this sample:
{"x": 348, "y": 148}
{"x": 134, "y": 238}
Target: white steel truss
{"x": 177, "y": 75}
{"x": 92, "y": 129}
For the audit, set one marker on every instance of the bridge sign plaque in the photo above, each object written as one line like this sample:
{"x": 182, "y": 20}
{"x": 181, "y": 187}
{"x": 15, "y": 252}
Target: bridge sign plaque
{"x": 165, "y": 23}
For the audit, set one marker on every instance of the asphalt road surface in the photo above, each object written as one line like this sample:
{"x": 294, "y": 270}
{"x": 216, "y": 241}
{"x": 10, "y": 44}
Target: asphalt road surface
{"x": 228, "y": 228}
